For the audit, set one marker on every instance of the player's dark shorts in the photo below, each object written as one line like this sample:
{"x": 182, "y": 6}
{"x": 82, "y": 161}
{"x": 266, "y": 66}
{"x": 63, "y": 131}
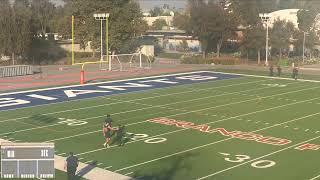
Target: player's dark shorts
{"x": 107, "y": 134}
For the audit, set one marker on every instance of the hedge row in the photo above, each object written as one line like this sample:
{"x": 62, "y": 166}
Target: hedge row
{"x": 221, "y": 60}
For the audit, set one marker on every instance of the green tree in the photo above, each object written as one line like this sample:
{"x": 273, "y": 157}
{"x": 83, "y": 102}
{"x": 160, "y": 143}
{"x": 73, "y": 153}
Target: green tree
{"x": 159, "y": 24}
{"x": 121, "y": 29}
{"x": 156, "y": 11}
{"x": 181, "y": 21}
{"x": 253, "y": 40}
{"x": 280, "y": 34}
{"x": 6, "y": 24}
{"x": 211, "y": 24}
{"x": 61, "y": 21}
{"x": 15, "y": 35}
{"x": 141, "y": 27}
{"x": 306, "y": 19}
{"x": 43, "y": 11}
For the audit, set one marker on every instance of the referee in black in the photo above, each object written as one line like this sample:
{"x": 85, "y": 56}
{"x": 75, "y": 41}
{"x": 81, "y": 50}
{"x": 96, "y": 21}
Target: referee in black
{"x": 71, "y": 165}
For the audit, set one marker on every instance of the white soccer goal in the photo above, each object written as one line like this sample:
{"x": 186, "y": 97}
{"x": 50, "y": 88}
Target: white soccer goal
{"x": 128, "y": 62}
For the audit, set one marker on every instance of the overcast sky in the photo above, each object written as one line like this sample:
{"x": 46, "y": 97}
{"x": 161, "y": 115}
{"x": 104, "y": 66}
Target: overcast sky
{"x": 146, "y": 5}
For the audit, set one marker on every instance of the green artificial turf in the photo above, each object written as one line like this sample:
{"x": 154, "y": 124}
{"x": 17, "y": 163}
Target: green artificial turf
{"x": 252, "y": 106}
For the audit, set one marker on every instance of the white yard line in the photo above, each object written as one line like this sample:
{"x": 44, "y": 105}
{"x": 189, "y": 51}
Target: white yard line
{"x": 157, "y": 106}
{"x": 255, "y": 112}
{"x": 268, "y": 77}
{"x": 170, "y": 115}
{"x": 315, "y": 177}
{"x": 215, "y": 142}
{"x": 151, "y": 97}
{"x": 131, "y": 92}
{"x": 244, "y": 75}
{"x": 91, "y": 132}
{"x": 255, "y": 159}
{"x": 122, "y": 80}
{"x": 128, "y": 173}
{"x": 88, "y": 161}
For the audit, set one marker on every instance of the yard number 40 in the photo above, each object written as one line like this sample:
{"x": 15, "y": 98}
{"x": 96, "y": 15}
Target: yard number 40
{"x": 242, "y": 158}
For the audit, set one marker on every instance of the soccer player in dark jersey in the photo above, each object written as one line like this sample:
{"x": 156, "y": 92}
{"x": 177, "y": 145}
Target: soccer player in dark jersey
{"x": 121, "y": 135}
{"x": 108, "y": 119}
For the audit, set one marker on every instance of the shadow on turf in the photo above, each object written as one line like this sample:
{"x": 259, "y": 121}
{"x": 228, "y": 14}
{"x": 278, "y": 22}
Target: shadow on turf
{"x": 39, "y": 118}
{"x": 169, "y": 168}
{"x": 87, "y": 168}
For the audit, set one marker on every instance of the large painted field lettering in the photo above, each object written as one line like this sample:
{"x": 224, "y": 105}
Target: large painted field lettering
{"x": 249, "y": 136}
{"x": 147, "y": 140}
{"x": 239, "y": 158}
{"x": 304, "y": 147}
{"x": 72, "y": 122}
{"x": 15, "y": 100}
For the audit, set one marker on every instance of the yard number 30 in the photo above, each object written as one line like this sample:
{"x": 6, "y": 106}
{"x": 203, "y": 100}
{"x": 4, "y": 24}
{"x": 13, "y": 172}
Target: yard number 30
{"x": 242, "y": 158}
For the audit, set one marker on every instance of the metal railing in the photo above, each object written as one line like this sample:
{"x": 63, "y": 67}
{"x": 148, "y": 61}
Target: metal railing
{"x": 19, "y": 70}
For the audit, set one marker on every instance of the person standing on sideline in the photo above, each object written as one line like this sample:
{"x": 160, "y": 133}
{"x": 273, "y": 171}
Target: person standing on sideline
{"x": 271, "y": 70}
{"x": 279, "y": 71}
{"x": 295, "y": 73}
{"x": 71, "y": 165}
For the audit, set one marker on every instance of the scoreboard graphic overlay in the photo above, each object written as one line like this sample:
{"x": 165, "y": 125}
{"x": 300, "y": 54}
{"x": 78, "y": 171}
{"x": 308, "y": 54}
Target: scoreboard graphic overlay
{"x": 27, "y": 160}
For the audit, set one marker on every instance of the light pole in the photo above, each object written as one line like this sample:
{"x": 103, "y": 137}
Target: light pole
{"x": 102, "y": 17}
{"x": 265, "y": 19}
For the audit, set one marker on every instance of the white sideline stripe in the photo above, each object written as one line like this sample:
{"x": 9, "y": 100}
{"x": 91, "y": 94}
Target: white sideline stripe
{"x": 128, "y": 173}
{"x": 87, "y": 162}
{"x": 89, "y": 84}
{"x": 149, "y": 77}
{"x": 268, "y": 77}
{"x": 315, "y": 177}
{"x": 206, "y": 124}
{"x": 274, "y": 152}
{"x": 215, "y": 142}
{"x": 91, "y": 132}
{"x": 102, "y": 96}
{"x": 166, "y": 116}
{"x": 151, "y": 97}
{"x": 39, "y": 127}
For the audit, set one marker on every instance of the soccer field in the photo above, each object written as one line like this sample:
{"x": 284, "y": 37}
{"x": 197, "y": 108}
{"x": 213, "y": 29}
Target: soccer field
{"x": 228, "y": 128}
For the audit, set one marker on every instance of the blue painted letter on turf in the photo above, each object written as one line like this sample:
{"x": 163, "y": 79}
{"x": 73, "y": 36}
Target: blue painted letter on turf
{"x": 22, "y": 99}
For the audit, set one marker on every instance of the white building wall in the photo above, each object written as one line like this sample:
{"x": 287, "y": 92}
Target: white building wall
{"x": 150, "y": 20}
{"x": 289, "y": 15}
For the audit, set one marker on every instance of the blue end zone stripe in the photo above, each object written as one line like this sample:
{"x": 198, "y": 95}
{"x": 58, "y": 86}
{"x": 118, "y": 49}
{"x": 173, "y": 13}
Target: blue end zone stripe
{"x": 15, "y": 100}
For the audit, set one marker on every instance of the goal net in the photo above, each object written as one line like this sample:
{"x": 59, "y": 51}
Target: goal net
{"x": 128, "y": 62}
